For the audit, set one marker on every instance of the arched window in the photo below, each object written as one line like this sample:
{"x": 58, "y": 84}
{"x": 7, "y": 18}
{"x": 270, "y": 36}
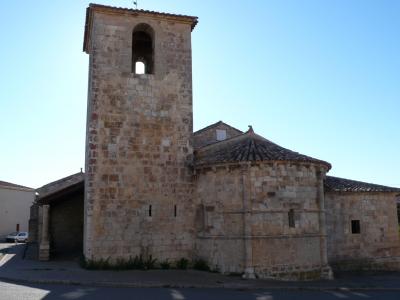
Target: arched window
{"x": 143, "y": 49}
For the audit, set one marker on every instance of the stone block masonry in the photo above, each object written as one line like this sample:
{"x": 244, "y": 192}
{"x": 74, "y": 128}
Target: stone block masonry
{"x": 375, "y": 245}
{"x": 138, "y": 151}
{"x": 239, "y": 201}
{"x": 246, "y": 220}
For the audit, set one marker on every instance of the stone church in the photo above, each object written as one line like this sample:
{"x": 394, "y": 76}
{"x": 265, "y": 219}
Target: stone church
{"x": 152, "y": 186}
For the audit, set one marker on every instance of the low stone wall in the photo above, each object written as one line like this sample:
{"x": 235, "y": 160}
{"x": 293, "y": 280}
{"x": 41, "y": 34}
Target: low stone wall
{"x": 368, "y": 264}
{"x": 289, "y": 258}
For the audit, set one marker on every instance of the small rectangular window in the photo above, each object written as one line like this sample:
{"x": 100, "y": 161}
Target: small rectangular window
{"x": 149, "y": 210}
{"x": 221, "y": 134}
{"x": 355, "y": 226}
{"x": 175, "y": 211}
{"x": 291, "y": 218}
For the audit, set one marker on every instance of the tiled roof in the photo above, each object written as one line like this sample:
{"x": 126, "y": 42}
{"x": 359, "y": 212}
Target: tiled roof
{"x": 216, "y": 125}
{"x": 6, "y": 184}
{"x": 59, "y": 185}
{"x": 120, "y": 10}
{"x": 249, "y": 147}
{"x": 336, "y": 184}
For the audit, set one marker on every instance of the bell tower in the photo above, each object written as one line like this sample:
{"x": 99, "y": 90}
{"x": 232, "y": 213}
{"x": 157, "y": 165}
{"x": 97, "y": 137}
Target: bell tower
{"x": 138, "y": 188}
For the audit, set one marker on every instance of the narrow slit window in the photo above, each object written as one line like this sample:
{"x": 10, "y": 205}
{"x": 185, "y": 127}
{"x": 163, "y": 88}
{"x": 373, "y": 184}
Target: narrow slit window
{"x": 150, "y": 210}
{"x": 291, "y": 218}
{"x": 175, "y": 211}
{"x": 355, "y": 226}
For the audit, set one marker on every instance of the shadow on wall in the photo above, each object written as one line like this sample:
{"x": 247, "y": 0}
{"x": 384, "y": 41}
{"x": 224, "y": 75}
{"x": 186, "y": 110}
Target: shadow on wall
{"x": 66, "y": 227}
{"x": 398, "y": 211}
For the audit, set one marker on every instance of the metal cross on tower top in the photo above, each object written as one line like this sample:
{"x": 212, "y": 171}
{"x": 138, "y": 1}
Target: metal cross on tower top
{"x": 135, "y": 3}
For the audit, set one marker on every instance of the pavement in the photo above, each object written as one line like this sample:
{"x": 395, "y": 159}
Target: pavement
{"x": 13, "y": 268}
{"x": 12, "y": 291}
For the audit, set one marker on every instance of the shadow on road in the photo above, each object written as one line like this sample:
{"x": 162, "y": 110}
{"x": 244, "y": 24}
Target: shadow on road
{"x": 10, "y": 253}
{"x": 51, "y": 292}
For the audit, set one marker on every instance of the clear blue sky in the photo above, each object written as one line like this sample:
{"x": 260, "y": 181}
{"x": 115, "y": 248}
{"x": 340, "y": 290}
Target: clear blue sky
{"x": 318, "y": 77}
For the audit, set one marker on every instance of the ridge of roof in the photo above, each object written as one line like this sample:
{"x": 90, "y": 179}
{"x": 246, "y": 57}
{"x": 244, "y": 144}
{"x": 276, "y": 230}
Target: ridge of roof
{"x": 214, "y": 125}
{"x": 229, "y": 139}
{"x": 249, "y": 147}
{"x": 7, "y": 184}
{"x": 192, "y": 20}
{"x": 338, "y": 184}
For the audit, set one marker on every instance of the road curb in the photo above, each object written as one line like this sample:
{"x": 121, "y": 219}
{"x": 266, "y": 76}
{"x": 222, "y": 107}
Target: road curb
{"x": 180, "y": 286}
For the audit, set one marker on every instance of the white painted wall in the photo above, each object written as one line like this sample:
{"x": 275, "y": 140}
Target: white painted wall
{"x": 14, "y": 209}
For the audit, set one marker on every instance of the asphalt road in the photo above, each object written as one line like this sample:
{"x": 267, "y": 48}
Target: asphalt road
{"x": 14, "y": 291}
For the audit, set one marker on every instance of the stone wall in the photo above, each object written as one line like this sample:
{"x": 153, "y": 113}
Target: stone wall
{"x": 138, "y": 149}
{"x": 208, "y": 136}
{"x": 378, "y": 239}
{"x": 245, "y": 223}
{"x": 220, "y": 225}
{"x": 34, "y": 223}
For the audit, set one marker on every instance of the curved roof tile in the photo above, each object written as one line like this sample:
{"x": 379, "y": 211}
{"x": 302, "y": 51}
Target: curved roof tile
{"x": 249, "y": 147}
{"x": 336, "y": 184}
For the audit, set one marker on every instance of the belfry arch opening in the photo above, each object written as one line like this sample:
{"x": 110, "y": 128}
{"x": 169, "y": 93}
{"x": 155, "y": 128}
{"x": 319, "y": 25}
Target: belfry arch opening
{"x": 143, "y": 49}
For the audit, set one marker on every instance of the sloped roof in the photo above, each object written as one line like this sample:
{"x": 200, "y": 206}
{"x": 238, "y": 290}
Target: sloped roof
{"x": 61, "y": 184}
{"x": 336, "y": 184}
{"x": 10, "y": 185}
{"x": 128, "y": 11}
{"x": 216, "y": 125}
{"x": 249, "y": 147}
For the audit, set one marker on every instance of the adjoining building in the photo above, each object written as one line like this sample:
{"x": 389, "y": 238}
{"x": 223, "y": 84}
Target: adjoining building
{"x": 56, "y": 223}
{"x": 15, "y": 201}
{"x": 362, "y": 225}
{"x": 235, "y": 199}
